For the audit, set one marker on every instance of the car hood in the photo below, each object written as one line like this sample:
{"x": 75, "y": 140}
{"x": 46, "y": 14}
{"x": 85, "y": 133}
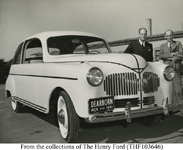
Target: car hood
{"x": 129, "y": 60}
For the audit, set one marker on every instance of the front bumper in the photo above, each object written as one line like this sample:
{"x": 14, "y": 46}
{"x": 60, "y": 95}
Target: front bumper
{"x": 127, "y": 114}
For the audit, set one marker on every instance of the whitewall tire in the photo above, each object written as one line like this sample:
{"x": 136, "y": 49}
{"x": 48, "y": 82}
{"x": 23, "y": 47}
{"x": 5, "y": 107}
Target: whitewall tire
{"x": 68, "y": 120}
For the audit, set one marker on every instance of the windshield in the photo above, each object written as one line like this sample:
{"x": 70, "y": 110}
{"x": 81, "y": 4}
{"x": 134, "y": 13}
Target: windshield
{"x": 62, "y": 45}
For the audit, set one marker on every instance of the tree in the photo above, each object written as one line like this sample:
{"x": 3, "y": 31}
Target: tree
{"x": 2, "y": 61}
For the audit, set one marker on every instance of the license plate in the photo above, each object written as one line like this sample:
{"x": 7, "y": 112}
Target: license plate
{"x": 101, "y": 104}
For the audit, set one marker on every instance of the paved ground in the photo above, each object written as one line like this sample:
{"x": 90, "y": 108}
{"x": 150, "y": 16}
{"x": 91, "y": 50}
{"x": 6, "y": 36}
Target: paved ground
{"x": 34, "y": 127}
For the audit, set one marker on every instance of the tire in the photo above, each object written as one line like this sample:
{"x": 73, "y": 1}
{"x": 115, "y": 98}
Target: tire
{"x": 151, "y": 121}
{"x": 17, "y": 107}
{"x": 68, "y": 120}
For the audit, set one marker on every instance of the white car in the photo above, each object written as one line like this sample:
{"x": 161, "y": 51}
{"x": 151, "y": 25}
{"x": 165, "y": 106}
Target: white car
{"x": 77, "y": 74}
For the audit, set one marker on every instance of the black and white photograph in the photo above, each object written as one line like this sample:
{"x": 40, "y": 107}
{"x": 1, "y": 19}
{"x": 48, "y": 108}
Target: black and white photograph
{"x": 92, "y": 72}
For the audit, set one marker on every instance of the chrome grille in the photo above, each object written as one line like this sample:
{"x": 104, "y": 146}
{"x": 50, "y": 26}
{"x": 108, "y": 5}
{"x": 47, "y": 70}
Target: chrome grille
{"x": 121, "y": 103}
{"x": 150, "y": 82}
{"x": 135, "y": 102}
{"x": 121, "y": 84}
{"x": 149, "y": 100}
{"x": 128, "y": 83}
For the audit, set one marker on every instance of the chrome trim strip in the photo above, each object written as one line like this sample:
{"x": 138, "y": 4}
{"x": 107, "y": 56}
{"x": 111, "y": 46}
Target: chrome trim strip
{"x": 27, "y": 103}
{"x": 55, "y": 77}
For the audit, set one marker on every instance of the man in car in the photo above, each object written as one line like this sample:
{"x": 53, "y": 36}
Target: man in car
{"x": 141, "y": 46}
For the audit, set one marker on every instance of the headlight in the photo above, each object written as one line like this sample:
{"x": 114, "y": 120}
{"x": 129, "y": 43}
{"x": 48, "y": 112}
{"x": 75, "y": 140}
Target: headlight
{"x": 169, "y": 73}
{"x": 94, "y": 76}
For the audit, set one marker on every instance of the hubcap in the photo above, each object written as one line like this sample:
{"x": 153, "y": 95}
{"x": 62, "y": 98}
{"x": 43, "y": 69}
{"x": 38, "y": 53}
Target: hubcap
{"x": 61, "y": 116}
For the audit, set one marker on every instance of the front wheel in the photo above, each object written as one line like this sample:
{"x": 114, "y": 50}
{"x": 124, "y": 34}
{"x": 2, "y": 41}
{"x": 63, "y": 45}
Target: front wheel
{"x": 17, "y": 107}
{"x": 151, "y": 121}
{"x": 68, "y": 120}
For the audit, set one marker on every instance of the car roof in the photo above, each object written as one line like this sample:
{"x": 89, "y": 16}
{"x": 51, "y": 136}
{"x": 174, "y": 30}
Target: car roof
{"x": 61, "y": 33}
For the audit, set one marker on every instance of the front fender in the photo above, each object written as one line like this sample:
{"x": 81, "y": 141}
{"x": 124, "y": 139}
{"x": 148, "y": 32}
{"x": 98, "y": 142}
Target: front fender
{"x": 165, "y": 86}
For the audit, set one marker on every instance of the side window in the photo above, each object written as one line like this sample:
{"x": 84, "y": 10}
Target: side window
{"x": 16, "y": 59}
{"x": 33, "y": 52}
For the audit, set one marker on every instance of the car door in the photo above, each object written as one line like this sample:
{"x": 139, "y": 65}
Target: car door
{"x": 26, "y": 72}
